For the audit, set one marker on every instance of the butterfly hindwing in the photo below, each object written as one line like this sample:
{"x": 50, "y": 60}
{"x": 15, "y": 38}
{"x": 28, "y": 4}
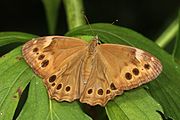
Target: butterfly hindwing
{"x": 100, "y": 87}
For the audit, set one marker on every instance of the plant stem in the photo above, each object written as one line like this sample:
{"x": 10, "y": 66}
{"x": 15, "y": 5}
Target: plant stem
{"x": 168, "y": 34}
{"x": 176, "y": 51}
{"x": 74, "y": 12}
{"x": 51, "y": 8}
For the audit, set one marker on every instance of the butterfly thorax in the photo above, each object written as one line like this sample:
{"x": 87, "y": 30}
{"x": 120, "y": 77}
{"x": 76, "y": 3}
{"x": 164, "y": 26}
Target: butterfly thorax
{"x": 92, "y": 46}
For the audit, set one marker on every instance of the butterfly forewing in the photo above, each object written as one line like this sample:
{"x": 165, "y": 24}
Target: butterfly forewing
{"x": 130, "y": 67}
{"x": 57, "y": 60}
{"x": 45, "y": 54}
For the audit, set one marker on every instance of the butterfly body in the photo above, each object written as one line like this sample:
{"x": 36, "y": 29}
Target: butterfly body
{"x": 91, "y": 72}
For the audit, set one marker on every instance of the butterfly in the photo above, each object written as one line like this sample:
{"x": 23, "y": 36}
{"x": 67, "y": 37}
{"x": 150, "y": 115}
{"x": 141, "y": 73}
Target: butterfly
{"x": 92, "y": 72}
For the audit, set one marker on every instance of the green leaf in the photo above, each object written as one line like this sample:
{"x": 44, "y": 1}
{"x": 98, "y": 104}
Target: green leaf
{"x": 134, "y": 105}
{"x": 166, "y": 88}
{"x": 39, "y": 107}
{"x": 12, "y": 82}
{"x": 51, "y": 8}
{"x": 14, "y": 37}
{"x": 74, "y": 12}
{"x": 176, "y": 52}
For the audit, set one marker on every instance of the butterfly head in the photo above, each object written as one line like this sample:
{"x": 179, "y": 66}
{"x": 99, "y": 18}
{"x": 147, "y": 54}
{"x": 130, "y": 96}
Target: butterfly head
{"x": 92, "y": 45}
{"x": 97, "y": 40}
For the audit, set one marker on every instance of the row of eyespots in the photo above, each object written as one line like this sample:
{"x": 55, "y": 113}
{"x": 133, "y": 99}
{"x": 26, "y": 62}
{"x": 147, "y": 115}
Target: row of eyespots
{"x": 59, "y": 86}
{"x": 101, "y": 91}
{"x": 45, "y": 62}
{"x": 67, "y": 88}
{"x": 135, "y": 71}
{"x": 90, "y": 91}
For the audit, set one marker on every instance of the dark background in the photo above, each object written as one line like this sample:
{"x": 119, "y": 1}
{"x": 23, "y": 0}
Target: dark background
{"x": 149, "y": 17}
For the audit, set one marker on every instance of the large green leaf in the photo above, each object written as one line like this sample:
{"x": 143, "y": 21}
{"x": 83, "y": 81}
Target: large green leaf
{"x": 134, "y": 105}
{"x": 166, "y": 88}
{"x": 13, "y": 73}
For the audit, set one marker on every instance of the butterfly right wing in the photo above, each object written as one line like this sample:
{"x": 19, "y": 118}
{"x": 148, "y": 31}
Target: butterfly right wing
{"x": 117, "y": 68}
{"x": 130, "y": 66}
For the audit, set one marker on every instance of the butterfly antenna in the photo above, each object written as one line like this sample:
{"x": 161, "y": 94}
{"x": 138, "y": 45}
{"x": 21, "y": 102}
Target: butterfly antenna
{"x": 89, "y": 25}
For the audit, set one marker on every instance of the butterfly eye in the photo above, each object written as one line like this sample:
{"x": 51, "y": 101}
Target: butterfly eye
{"x": 135, "y": 71}
{"x": 44, "y": 63}
{"x": 35, "y": 49}
{"x": 100, "y": 92}
{"x": 147, "y": 66}
{"x": 128, "y": 76}
{"x": 89, "y": 91}
{"x": 52, "y": 78}
{"x": 68, "y": 88}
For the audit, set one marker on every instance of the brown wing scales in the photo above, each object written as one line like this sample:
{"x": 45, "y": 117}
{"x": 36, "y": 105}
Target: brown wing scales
{"x": 131, "y": 66}
{"x": 100, "y": 87}
{"x": 57, "y": 61}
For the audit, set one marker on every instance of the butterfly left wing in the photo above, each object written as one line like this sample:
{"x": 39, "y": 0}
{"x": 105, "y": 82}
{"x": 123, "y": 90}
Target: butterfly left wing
{"x": 57, "y": 59}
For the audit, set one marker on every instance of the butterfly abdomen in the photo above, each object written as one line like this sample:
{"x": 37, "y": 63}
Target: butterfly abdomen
{"x": 87, "y": 67}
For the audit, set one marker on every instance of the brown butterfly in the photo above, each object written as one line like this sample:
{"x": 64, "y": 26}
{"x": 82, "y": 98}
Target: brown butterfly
{"x": 92, "y": 72}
